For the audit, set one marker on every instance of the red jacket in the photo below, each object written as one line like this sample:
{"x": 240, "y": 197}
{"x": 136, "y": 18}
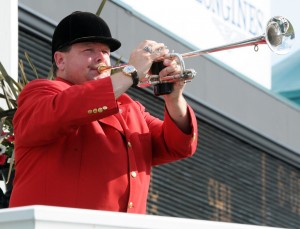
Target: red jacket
{"x": 76, "y": 146}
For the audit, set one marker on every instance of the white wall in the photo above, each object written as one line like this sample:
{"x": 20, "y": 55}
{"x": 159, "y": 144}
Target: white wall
{"x": 9, "y": 36}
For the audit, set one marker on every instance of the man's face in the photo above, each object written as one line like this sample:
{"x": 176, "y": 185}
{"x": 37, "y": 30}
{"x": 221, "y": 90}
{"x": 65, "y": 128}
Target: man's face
{"x": 80, "y": 64}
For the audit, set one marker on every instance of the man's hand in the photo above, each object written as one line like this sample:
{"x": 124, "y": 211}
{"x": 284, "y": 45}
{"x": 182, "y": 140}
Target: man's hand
{"x": 175, "y": 102}
{"x": 145, "y": 54}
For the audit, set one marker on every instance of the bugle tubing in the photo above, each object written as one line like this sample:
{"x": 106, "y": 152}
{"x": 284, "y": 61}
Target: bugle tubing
{"x": 279, "y": 36}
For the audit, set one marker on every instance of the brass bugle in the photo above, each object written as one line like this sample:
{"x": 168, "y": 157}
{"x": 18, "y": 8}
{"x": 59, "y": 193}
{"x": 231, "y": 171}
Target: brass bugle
{"x": 279, "y": 36}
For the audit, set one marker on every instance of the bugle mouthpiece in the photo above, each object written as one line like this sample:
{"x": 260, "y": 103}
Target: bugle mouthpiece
{"x": 103, "y": 68}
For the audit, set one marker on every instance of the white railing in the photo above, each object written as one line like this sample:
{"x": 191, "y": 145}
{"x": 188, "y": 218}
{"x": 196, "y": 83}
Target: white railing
{"x": 45, "y": 217}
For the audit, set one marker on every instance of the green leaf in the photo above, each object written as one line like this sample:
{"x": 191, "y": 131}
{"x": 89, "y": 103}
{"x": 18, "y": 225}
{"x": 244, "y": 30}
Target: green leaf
{"x": 31, "y": 65}
{"x": 100, "y": 8}
{"x": 8, "y": 113}
{"x": 23, "y": 74}
{"x": 13, "y": 85}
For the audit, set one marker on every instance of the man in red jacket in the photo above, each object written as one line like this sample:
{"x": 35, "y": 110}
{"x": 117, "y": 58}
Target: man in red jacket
{"x": 80, "y": 141}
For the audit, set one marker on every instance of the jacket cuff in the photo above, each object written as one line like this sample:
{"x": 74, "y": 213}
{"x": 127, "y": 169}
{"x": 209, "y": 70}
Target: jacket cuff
{"x": 182, "y": 141}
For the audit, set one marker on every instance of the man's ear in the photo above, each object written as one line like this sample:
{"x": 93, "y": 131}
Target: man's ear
{"x": 59, "y": 58}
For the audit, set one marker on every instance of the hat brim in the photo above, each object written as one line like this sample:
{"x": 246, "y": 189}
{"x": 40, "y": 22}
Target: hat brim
{"x": 112, "y": 43}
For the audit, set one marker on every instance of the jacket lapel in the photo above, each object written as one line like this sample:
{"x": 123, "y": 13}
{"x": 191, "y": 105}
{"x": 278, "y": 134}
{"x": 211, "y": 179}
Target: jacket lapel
{"x": 113, "y": 122}
{"x": 118, "y": 120}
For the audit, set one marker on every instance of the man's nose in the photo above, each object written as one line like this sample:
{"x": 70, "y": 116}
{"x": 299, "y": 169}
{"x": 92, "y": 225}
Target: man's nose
{"x": 100, "y": 56}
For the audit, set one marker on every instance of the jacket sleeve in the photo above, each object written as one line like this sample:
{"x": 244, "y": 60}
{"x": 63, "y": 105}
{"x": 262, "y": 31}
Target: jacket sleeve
{"x": 169, "y": 143}
{"x": 48, "y": 109}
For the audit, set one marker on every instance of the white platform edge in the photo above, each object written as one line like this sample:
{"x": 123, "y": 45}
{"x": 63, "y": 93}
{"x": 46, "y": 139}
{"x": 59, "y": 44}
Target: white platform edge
{"x": 60, "y": 217}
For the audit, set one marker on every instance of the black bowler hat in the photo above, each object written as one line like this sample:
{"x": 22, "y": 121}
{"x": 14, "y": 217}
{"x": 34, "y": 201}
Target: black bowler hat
{"x": 82, "y": 27}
